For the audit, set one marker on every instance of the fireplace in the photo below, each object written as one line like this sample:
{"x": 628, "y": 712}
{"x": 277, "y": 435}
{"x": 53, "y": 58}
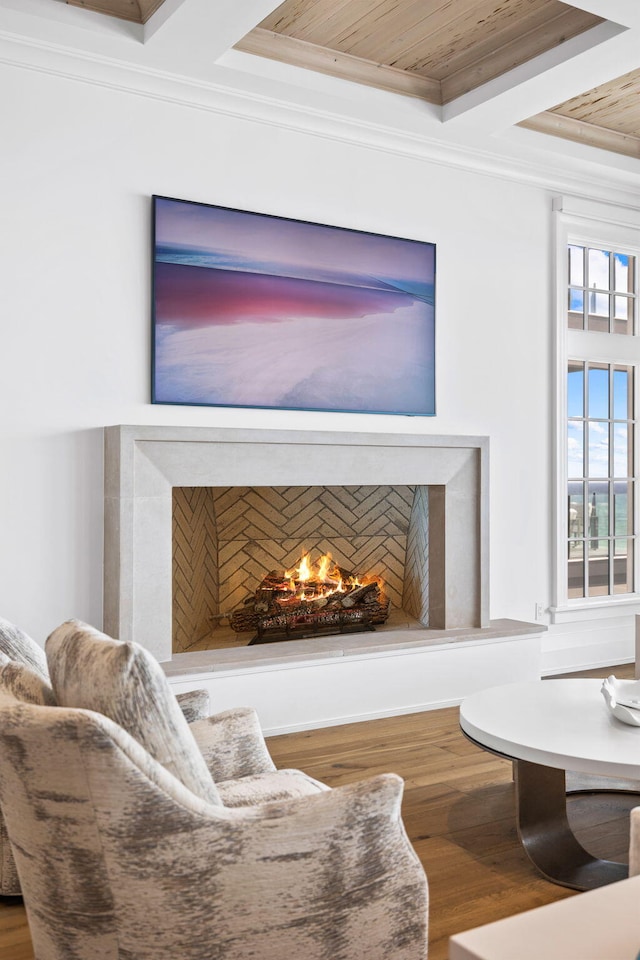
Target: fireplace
{"x": 151, "y": 473}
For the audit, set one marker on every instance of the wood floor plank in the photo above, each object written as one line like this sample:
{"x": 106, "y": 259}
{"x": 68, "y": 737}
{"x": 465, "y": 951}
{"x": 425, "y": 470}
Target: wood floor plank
{"x": 458, "y": 809}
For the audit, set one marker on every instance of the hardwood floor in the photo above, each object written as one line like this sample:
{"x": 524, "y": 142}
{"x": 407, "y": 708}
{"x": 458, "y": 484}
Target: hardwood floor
{"x": 458, "y": 811}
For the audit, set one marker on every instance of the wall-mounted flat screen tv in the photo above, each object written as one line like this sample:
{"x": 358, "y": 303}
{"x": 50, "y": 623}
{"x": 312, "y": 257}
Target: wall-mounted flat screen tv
{"x": 252, "y": 310}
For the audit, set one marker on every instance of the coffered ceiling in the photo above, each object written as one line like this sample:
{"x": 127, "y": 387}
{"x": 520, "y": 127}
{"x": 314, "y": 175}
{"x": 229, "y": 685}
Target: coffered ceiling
{"x": 568, "y": 71}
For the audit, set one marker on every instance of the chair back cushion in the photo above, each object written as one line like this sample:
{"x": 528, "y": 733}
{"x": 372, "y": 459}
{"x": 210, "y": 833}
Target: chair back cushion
{"x": 15, "y": 644}
{"x": 124, "y": 682}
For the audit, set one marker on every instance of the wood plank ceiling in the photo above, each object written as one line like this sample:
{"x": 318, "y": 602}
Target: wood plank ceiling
{"x": 607, "y": 116}
{"x": 138, "y": 11}
{"x": 436, "y": 50}
{"x": 443, "y": 48}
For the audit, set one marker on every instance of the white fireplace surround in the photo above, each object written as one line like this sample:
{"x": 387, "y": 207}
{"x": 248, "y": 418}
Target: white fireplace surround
{"x": 144, "y": 463}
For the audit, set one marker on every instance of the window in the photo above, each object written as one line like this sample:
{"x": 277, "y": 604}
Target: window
{"x": 600, "y": 479}
{"x": 601, "y": 290}
{"x": 598, "y": 382}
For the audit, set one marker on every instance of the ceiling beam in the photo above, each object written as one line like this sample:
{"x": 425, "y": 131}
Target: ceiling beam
{"x": 202, "y": 30}
{"x": 594, "y": 57}
{"x": 625, "y": 12}
{"x": 161, "y": 16}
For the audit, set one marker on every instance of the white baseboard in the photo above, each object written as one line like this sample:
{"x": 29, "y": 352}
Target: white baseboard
{"x": 588, "y": 646}
{"x": 361, "y": 717}
{"x": 588, "y": 665}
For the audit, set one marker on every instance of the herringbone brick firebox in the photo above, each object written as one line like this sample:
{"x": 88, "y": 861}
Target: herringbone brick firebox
{"x": 225, "y": 539}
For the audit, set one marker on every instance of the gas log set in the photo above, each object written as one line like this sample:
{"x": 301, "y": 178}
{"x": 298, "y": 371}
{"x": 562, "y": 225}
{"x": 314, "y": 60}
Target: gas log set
{"x": 313, "y": 598}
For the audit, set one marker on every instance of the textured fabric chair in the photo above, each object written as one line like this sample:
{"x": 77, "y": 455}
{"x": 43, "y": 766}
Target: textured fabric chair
{"x": 29, "y": 687}
{"x": 18, "y": 647}
{"x": 119, "y": 860}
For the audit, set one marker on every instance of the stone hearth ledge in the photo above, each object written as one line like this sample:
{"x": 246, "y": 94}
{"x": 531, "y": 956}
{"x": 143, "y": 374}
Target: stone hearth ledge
{"x": 335, "y": 647}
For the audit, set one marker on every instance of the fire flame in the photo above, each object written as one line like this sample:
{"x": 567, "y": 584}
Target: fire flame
{"x": 323, "y": 567}
{"x": 305, "y": 572}
{"x": 310, "y": 581}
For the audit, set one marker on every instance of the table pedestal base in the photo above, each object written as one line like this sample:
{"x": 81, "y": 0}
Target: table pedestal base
{"x": 546, "y": 835}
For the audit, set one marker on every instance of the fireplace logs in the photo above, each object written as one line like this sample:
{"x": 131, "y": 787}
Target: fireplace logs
{"x": 309, "y": 600}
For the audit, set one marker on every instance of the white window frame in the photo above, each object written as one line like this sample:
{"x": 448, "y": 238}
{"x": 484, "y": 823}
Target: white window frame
{"x": 606, "y": 227}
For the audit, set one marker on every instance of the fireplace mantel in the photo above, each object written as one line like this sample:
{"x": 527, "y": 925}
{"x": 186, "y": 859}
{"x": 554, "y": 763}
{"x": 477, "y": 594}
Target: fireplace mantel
{"x": 144, "y": 463}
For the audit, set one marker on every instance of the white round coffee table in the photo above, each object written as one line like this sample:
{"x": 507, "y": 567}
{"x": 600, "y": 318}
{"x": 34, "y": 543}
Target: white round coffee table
{"x": 547, "y": 727}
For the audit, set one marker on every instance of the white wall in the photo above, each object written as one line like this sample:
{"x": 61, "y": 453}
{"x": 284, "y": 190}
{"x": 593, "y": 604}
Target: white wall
{"x": 78, "y": 164}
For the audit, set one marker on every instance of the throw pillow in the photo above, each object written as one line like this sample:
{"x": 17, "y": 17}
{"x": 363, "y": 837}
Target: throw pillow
{"x": 126, "y": 683}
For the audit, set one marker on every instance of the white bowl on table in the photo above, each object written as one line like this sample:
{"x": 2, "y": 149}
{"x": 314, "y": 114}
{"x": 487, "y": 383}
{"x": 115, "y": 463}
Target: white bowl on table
{"x": 623, "y": 699}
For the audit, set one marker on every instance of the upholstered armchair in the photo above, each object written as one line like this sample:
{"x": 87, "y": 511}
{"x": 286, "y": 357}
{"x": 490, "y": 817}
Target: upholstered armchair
{"x": 16, "y": 646}
{"x": 127, "y": 848}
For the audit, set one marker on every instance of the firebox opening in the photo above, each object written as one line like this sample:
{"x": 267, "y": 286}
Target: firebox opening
{"x": 233, "y": 546}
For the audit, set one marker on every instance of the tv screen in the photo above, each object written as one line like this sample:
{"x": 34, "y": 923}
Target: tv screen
{"x": 253, "y": 310}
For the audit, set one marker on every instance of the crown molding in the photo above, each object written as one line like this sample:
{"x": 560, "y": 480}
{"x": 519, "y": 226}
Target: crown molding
{"x": 297, "y": 108}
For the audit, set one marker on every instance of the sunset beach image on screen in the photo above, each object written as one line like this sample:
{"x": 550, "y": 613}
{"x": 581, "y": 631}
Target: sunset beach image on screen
{"x": 252, "y": 310}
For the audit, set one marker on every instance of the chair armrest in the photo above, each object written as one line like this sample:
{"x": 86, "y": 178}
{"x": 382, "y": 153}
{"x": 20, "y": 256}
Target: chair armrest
{"x": 330, "y": 875}
{"x": 232, "y": 744}
{"x": 194, "y": 704}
